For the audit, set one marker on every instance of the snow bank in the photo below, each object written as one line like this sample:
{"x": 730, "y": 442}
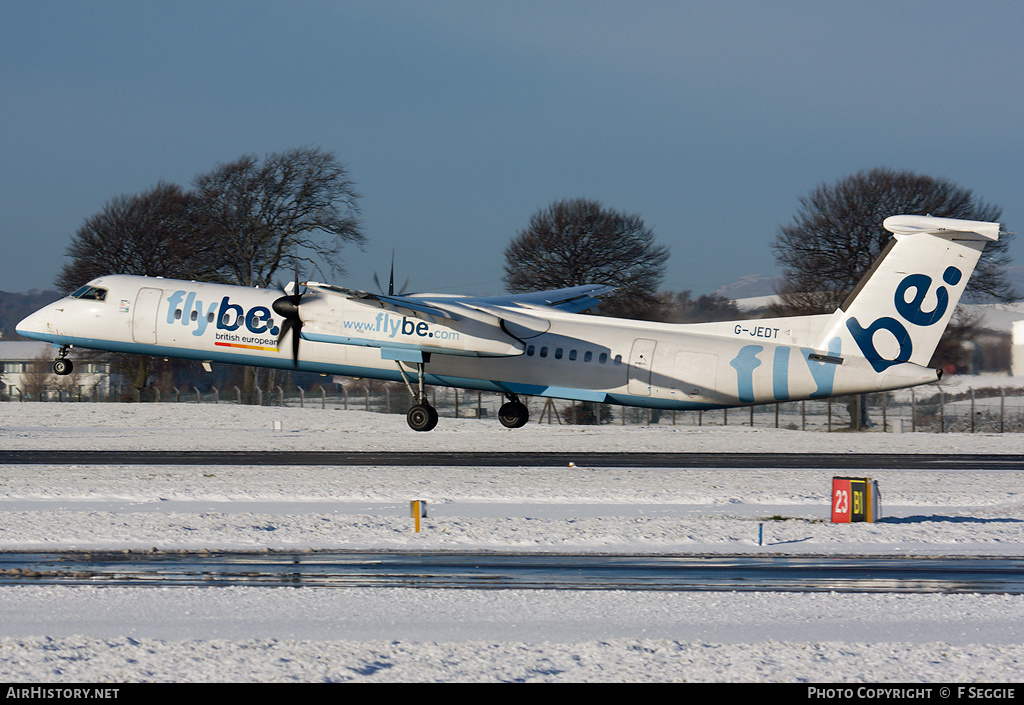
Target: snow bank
{"x": 69, "y": 634}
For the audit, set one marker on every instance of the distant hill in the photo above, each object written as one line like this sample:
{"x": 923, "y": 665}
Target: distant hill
{"x": 14, "y": 307}
{"x": 749, "y": 286}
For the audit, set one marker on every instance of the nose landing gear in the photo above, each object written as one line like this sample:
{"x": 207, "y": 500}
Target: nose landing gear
{"x": 62, "y": 366}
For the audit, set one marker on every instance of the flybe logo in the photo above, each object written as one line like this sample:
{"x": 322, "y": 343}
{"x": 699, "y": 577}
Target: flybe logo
{"x": 911, "y": 311}
{"x": 235, "y": 325}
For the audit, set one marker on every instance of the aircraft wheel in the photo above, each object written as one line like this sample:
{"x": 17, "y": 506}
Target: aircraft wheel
{"x": 422, "y": 417}
{"x": 62, "y": 367}
{"x": 513, "y": 414}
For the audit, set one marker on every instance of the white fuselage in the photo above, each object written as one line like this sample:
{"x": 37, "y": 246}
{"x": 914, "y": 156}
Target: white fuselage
{"x": 548, "y": 353}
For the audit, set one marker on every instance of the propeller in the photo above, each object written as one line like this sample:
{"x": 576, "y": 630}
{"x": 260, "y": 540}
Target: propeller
{"x": 288, "y": 308}
{"x": 391, "y": 279}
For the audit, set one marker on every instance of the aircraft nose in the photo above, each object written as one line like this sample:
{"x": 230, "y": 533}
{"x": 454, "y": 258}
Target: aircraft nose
{"x": 37, "y": 323}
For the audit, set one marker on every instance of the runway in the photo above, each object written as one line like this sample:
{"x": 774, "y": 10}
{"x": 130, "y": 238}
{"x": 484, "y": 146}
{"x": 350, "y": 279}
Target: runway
{"x": 839, "y": 461}
{"x": 476, "y": 570}
{"x": 501, "y": 570}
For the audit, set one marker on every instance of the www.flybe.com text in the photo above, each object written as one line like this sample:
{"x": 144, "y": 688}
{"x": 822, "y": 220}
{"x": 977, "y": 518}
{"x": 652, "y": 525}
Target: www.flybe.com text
{"x": 393, "y": 325}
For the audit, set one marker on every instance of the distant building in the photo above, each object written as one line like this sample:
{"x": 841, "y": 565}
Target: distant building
{"x": 26, "y": 374}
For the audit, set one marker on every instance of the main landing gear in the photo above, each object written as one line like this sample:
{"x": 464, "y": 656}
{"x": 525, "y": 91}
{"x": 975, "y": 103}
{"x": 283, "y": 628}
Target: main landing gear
{"x": 62, "y": 366}
{"x": 422, "y": 416}
{"x": 513, "y": 413}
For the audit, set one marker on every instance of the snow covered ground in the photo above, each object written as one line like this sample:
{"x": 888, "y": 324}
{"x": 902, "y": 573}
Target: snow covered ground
{"x": 90, "y": 634}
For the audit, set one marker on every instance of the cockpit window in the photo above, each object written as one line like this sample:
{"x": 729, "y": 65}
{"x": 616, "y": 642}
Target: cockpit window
{"x": 93, "y": 293}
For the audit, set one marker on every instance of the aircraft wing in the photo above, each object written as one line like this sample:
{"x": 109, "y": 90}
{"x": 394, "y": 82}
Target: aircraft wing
{"x": 411, "y": 303}
{"x": 573, "y": 299}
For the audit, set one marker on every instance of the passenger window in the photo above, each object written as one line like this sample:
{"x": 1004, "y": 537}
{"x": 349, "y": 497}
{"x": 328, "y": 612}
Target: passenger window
{"x": 530, "y": 350}
{"x": 177, "y": 314}
{"x": 572, "y": 354}
{"x": 558, "y": 353}
{"x": 618, "y": 359}
{"x": 195, "y": 315}
{"x": 603, "y": 358}
{"x": 544, "y": 351}
{"x": 588, "y": 356}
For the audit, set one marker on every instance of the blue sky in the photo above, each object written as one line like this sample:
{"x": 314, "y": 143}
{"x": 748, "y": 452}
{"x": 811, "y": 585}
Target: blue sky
{"x": 458, "y": 120}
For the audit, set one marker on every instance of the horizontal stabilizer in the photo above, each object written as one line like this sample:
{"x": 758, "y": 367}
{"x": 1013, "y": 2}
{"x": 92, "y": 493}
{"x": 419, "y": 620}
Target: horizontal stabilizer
{"x": 902, "y": 225}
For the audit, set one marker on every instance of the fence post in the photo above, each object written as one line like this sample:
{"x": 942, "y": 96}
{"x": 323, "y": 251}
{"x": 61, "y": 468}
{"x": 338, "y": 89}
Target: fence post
{"x": 942, "y": 412}
{"x": 972, "y": 409}
{"x": 830, "y": 414}
{"x": 302, "y": 397}
{"x": 913, "y": 410}
{"x": 1002, "y": 407}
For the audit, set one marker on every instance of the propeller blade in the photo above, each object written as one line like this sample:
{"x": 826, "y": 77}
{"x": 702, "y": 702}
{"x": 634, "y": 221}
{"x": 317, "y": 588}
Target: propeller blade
{"x": 288, "y": 308}
{"x": 391, "y": 280}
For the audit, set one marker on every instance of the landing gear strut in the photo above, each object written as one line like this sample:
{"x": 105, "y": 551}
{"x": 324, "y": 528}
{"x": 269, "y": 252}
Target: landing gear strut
{"x": 513, "y": 413}
{"x": 62, "y": 366}
{"x": 422, "y": 416}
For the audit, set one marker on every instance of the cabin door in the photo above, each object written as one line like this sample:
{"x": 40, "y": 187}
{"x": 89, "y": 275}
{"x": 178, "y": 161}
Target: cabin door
{"x": 144, "y": 315}
{"x": 641, "y": 358}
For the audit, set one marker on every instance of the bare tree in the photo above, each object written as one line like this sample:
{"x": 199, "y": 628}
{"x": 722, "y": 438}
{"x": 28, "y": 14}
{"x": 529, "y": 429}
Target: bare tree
{"x": 574, "y": 242}
{"x": 837, "y": 235}
{"x": 36, "y": 377}
{"x": 262, "y": 215}
{"x": 154, "y": 233}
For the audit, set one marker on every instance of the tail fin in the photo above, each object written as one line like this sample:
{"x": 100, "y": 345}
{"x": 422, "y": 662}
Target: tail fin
{"x": 899, "y": 310}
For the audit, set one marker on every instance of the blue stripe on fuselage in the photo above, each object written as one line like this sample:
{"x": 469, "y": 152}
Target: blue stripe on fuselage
{"x": 239, "y": 358}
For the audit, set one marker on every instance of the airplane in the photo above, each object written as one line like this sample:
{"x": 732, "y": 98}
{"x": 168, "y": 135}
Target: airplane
{"x": 540, "y": 344}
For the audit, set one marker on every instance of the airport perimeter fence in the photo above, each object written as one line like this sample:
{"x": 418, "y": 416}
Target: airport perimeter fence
{"x": 922, "y": 409}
